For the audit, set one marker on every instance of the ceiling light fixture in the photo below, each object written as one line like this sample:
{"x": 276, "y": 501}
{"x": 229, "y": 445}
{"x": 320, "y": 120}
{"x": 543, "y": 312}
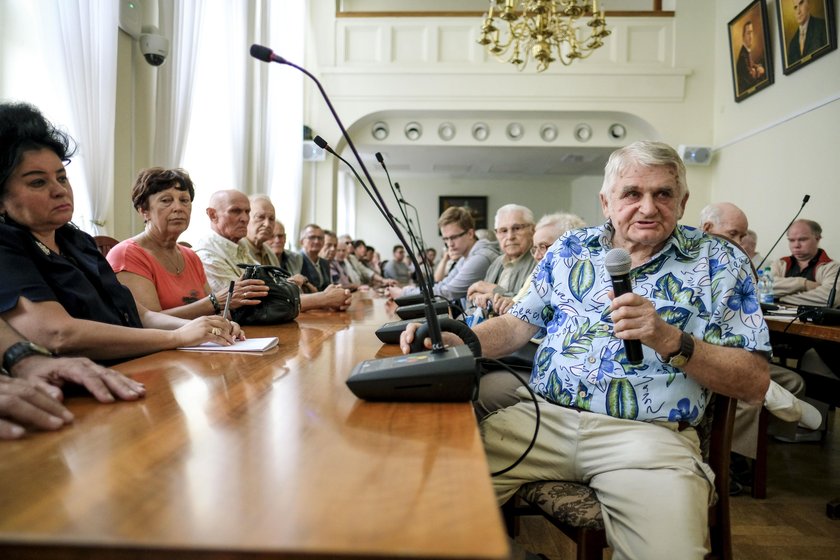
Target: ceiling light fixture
{"x": 480, "y": 131}
{"x": 379, "y": 130}
{"x": 617, "y": 131}
{"x": 515, "y": 131}
{"x": 446, "y": 131}
{"x": 413, "y": 130}
{"x": 542, "y": 29}
{"x": 583, "y": 132}
{"x": 548, "y": 132}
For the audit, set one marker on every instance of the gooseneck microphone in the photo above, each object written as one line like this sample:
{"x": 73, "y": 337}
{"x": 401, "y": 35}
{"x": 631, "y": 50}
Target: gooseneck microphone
{"x": 418, "y": 244}
{"x": 618, "y": 264}
{"x": 805, "y": 200}
{"x": 438, "y": 375}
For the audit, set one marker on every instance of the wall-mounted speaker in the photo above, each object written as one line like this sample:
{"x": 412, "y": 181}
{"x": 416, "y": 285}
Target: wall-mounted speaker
{"x": 695, "y": 155}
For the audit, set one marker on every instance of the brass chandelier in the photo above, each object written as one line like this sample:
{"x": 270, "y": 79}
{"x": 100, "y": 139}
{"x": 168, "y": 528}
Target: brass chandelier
{"x": 547, "y": 30}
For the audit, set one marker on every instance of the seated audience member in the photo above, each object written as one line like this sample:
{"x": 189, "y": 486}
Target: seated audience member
{"x": 749, "y": 243}
{"x": 729, "y": 222}
{"x": 261, "y": 226}
{"x": 372, "y": 259}
{"x": 338, "y": 274}
{"x": 474, "y": 256}
{"x": 546, "y": 232}
{"x": 31, "y": 381}
{"x": 341, "y": 272}
{"x": 224, "y": 248}
{"x": 315, "y": 269}
{"x": 498, "y": 388}
{"x": 162, "y": 274}
{"x": 445, "y": 264}
{"x": 640, "y": 452}
{"x": 366, "y": 275}
{"x": 430, "y": 256}
{"x": 289, "y": 261}
{"x": 724, "y": 219}
{"x": 515, "y": 233}
{"x": 58, "y": 289}
{"x": 807, "y": 275}
{"x": 398, "y": 268}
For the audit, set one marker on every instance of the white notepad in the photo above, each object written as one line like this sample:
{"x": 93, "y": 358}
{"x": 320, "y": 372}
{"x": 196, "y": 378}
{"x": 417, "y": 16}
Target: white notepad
{"x": 249, "y": 345}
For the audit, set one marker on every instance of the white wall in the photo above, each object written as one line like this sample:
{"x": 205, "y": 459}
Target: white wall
{"x": 541, "y": 196}
{"x": 660, "y": 70}
{"x": 779, "y": 144}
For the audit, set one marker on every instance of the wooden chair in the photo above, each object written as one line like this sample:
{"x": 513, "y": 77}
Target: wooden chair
{"x": 574, "y": 508}
{"x": 105, "y": 243}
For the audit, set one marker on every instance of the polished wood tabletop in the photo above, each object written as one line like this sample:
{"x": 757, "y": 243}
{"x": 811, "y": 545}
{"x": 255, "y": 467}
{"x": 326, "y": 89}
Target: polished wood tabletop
{"x": 788, "y": 325}
{"x": 255, "y": 456}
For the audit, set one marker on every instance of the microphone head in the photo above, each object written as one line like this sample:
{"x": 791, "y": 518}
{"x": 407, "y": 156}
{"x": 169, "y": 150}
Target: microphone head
{"x": 617, "y": 262}
{"x": 379, "y": 157}
{"x": 320, "y": 142}
{"x": 396, "y": 185}
{"x": 261, "y": 53}
{"x": 806, "y": 199}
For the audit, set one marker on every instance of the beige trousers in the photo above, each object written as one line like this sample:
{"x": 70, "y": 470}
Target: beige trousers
{"x": 745, "y": 432}
{"x": 653, "y": 486}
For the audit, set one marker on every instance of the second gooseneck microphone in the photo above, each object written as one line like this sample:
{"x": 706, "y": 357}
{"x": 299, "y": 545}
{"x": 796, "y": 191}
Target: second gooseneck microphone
{"x": 618, "y": 264}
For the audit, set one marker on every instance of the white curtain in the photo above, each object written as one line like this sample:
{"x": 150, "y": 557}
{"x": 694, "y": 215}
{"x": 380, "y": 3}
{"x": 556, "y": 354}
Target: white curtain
{"x": 180, "y": 22}
{"x": 245, "y": 129}
{"x": 283, "y": 146}
{"x": 88, "y": 33}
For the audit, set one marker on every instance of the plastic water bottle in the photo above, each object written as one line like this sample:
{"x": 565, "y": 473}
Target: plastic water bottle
{"x": 765, "y": 286}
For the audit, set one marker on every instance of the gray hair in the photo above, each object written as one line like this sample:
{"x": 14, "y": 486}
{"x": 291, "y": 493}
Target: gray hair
{"x": 260, "y": 198}
{"x": 752, "y": 234}
{"x": 527, "y": 215}
{"x": 647, "y": 154}
{"x": 560, "y": 222}
{"x": 710, "y": 214}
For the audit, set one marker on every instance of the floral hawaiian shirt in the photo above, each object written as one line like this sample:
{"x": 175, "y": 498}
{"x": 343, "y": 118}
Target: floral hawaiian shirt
{"x": 699, "y": 283}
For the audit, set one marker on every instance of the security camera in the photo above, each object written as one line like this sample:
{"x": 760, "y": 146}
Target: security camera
{"x": 154, "y": 46}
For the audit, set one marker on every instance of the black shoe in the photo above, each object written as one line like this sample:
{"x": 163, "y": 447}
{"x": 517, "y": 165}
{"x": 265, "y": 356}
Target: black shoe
{"x": 740, "y": 470}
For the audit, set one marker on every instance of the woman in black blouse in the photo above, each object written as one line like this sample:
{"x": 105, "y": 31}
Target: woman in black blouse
{"x": 58, "y": 289}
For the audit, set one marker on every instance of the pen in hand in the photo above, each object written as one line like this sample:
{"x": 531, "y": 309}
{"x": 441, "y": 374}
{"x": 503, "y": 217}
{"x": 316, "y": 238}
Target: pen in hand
{"x": 230, "y": 297}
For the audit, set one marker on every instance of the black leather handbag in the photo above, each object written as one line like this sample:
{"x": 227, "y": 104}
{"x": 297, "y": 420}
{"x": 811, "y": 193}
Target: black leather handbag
{"x": 281, "y": 305}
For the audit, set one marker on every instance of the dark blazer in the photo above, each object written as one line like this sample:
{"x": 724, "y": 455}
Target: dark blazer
{"x": 815, "y": 38}
{"x": 742, "y": 70}
{"x": 320, "y": 281}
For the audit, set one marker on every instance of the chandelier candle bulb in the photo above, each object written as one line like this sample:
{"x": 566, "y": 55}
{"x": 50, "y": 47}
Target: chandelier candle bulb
{"x": 545, "y": 30}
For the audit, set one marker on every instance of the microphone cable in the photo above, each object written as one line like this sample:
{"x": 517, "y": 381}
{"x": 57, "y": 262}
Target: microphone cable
{"x": 536, "y": 410}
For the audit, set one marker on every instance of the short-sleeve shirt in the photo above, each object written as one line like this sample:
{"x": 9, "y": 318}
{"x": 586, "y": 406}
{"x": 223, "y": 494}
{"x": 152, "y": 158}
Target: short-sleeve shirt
{"x": 173, "y": 290}
{"x": 79, "y": 278}
{"x": 698, "y": 283}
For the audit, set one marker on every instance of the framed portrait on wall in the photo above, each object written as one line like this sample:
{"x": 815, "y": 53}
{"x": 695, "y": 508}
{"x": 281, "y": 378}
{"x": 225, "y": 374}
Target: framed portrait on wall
{"x": 806, "y": 31}
{"x": 749, "y": 50}
{"x": 477, "y": 206}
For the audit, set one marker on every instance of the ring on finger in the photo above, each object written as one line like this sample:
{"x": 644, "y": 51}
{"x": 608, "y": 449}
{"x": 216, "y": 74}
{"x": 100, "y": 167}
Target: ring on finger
{"x": 216, "y": 331}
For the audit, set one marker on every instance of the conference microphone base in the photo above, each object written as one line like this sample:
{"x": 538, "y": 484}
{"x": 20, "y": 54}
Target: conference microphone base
{"x": 819, "y": 315}
{"x": 449, "y": 376}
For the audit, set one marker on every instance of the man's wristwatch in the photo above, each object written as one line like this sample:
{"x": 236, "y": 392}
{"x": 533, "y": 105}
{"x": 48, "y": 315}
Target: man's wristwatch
{"x": 20, "y": 350}
{"x": 679, "y": 358}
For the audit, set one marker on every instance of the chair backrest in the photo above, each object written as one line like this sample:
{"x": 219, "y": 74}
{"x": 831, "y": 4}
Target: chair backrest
{"x": 104, "y": 243}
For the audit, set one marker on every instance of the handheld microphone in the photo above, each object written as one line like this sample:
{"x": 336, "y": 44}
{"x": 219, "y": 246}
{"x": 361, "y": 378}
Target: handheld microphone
{"x": 617, "y": 263}
{"x": 442, "y": 374}
{"x": 805, "y": 200}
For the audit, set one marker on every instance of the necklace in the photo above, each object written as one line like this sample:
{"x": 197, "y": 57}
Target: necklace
{"x": 174, "y": 261}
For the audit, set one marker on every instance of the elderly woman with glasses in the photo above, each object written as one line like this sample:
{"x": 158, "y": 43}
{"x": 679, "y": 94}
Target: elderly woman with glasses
{"x": 162, "y": 274}
{"x": 58, "y": 290}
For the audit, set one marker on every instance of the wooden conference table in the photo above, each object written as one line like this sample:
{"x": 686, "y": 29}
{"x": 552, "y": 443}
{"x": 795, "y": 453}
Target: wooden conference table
{"x": 255, "y": 456}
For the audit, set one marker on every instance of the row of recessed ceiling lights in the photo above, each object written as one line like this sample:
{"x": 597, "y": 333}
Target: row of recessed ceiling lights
{"x": 481, "y": 131}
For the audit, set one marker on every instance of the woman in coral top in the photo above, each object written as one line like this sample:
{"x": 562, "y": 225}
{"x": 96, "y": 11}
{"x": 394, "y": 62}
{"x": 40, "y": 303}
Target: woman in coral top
{"x": 162, "y": 274}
